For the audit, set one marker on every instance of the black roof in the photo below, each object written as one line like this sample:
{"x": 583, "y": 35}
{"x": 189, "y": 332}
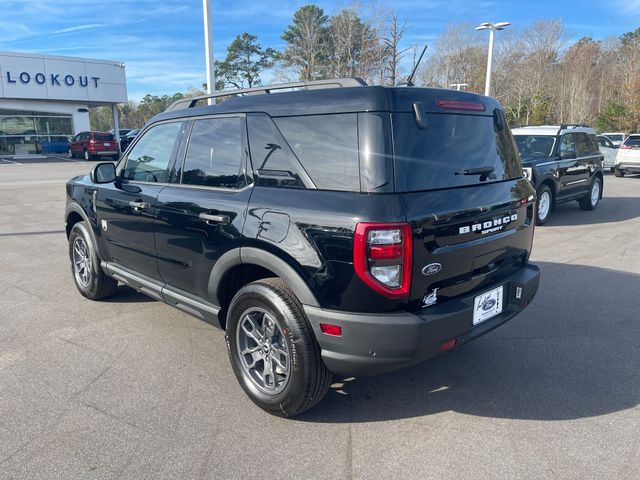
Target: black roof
{"x": 339, "y": 100}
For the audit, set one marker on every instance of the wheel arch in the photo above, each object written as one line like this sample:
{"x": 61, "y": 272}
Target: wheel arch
{"x": 74, "y": 214}
{"x": 244, "y": 265}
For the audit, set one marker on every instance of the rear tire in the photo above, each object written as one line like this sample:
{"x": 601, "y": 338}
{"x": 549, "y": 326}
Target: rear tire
{"x": 70, "y": 153}
{"x": 590, "y": 200}
{"x": 281, "y": 369}
{"x": 87, "y": 273}
{"x": 544, "y": 205}
{"x": 617, "y": 172}
{"x": 87, "y": 156}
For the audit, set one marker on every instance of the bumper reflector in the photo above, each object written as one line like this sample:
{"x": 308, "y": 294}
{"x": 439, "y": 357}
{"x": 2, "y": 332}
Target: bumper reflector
{"x": 334, "y": 330}
{"x": 448, "y": 345}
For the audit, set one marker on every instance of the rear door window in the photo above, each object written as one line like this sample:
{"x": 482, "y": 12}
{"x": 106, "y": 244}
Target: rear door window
{"x": 582, "y": 144}
{"x": 633, "y": 141}
{"x": 327, "y": 148}
{"x": 451, "y": 145}
{"x": 215, "y": 153}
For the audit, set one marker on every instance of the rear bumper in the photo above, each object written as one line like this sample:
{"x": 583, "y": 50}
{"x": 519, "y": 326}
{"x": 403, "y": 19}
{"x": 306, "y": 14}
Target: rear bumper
{"x": 376, "y": 343}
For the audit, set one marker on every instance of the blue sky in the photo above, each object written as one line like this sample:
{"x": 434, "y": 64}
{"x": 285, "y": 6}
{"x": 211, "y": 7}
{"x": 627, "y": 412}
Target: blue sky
{"x": 161, "y": 42}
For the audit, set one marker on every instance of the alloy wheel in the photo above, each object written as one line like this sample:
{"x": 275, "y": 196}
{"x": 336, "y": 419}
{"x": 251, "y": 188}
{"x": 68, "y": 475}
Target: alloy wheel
{"x": 81, "y": 262}
{"x": 263, "y": 351}
{"x": 544, "y": 205}
{"x": 595, "y": 192}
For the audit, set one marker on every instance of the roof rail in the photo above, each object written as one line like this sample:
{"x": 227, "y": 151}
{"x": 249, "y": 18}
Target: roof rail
{"x": 307, "y": 85}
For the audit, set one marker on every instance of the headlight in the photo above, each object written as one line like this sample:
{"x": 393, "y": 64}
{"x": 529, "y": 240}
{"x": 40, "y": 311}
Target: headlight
{"x": 528, "y": 173}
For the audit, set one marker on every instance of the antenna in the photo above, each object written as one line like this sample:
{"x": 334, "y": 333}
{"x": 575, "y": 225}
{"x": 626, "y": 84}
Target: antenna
{"x": 409, "y": 82}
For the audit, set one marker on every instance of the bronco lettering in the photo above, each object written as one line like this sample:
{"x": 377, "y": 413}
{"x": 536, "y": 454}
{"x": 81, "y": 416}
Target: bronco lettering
{"x": 487, "y": 227}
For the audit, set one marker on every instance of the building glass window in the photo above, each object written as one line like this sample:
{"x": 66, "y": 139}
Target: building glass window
{"x": 27, "y": 132}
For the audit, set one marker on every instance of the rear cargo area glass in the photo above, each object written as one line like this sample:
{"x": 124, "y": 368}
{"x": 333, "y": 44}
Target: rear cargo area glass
{"x": 437, "y": 156}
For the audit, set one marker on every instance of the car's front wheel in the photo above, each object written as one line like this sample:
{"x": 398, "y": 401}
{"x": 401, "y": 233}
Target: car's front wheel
{"x": 273, "y": 351}
{"x": 544, "y": 205}
{"x": 590, "y": 200}
{"x": 88, "y": 276}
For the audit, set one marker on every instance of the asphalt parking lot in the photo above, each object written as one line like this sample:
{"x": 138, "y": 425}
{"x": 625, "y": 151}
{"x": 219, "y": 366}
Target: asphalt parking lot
{"x": 132, "y": 388}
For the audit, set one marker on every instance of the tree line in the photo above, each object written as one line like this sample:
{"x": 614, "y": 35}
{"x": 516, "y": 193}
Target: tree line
{"x": 539, "y": 76}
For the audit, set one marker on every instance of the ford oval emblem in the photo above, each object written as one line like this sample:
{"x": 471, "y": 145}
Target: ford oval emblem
{"x": 489, "y": 304}
{"x": 431, "y": 269}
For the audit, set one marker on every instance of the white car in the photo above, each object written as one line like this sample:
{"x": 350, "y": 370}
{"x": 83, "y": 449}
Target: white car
{"x": 616, "y": 137}
{"x": 628, "y": 158}
{"x": 609, "y": 150}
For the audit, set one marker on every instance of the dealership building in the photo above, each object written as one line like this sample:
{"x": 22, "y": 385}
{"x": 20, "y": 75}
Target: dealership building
{"x": 46, "y": 99}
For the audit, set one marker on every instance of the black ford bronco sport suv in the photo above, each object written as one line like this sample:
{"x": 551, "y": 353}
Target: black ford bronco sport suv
{"x": 563, "y": 163}
{"x": 331, "y": 228}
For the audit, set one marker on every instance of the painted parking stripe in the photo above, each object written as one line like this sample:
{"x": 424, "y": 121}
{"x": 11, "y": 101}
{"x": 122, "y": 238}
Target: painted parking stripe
{"x": 9, "y": 162}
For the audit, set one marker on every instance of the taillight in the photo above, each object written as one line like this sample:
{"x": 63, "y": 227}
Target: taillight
{"x": 382, "y": 257}
{"x": 92, "y": 141}
{"x": 624, "y": 147}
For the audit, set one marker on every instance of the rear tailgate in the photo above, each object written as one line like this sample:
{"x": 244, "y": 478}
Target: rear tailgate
{"x": 468, "y": 238}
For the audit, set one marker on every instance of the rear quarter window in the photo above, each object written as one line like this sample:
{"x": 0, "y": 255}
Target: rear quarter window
{"x": 327, "y": 148}
{"x": 436, "y": 156}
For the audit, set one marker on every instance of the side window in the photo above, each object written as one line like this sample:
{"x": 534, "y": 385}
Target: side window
{"x": 327, "y": 147}
{"x": 274, "y": 163}
{"x": 215, "y": 153}
{"x": 567, "y": 143}
{"x": 582, "y": 144}
{"x": 149, "y": 159}
{"x": 593, "y": 145}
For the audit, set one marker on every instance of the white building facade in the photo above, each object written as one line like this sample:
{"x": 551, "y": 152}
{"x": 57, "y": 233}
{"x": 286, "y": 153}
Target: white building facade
{"x": 46, "y": 99}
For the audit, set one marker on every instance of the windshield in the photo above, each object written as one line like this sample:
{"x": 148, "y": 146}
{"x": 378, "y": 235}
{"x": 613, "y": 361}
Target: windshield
{"x": 633, "y": 141}
{"x": 615, "y": 137}
{"x": 535, "y": 145}
{"x": 453, "y": 150}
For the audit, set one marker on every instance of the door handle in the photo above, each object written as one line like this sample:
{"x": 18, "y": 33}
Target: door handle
{"x": 211, "y": 219}
{"x": 139, "y": 206}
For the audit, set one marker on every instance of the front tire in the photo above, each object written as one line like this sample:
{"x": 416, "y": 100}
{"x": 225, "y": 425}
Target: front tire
{"x": 544, "y": 205}
{"x": 88, "y": 276}
{"x": 273, "y": 351}
{"x": 590, "y": 200}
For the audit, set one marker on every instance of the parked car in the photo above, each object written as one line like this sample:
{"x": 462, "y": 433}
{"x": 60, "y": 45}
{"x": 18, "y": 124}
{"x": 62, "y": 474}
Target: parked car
{"x": 563, "y": 163}
{"x": 338, "y": 228}
{"x": 628, "y": 158}
{"x": 616, "y": 137}
{"x": 609, "y": 150}
{"x": 93, "y": 145}
{"x": 121, "y": 132}
{"x": 127, "y": 139}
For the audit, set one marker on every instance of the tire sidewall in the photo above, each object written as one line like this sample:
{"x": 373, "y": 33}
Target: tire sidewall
{"x": 260, "y": 295}
{"x": 70, "y": 153}
{"x": 80, "y": 229}
{"x": 598, "y": 182}
{"x": 86, "y": 155}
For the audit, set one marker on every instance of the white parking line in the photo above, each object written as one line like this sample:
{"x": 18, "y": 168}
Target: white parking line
{"x": 9, "y": 162}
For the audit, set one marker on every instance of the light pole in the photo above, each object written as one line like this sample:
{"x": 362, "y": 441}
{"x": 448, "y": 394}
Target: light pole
{"x": 459, "y": 86}
{"x": 492, "y": 27}
{"x": 208, "y": 46}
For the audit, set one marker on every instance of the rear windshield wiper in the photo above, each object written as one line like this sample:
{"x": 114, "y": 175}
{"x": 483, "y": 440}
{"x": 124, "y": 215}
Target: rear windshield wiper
{"x": 484, "y": 172}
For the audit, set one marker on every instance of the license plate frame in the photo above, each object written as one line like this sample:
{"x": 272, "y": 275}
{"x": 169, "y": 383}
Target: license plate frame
{"x": 488, "y": 304}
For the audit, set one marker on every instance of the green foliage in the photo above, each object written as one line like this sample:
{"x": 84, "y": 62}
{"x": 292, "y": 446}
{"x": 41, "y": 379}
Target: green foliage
{"x": 246, "y": 59}
{"x": 612, "y": 118}
{"x": 631, "y": 39}
{"x": 307, "y": 40}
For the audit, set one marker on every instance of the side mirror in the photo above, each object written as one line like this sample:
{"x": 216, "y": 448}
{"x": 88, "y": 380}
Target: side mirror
{"x": 568, "y": 154}
{"x": 103, "y": 173}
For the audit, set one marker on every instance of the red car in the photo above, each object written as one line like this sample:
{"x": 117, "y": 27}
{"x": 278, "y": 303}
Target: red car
{"x": 94, "y": 145}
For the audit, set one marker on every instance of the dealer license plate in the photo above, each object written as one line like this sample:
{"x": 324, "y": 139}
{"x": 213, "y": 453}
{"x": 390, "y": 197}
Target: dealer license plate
{"x": 487, "y": 305}
{"x": 107, "y": 144}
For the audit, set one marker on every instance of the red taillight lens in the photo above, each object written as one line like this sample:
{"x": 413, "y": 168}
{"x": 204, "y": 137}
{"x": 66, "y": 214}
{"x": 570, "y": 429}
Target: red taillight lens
{"x": 624, "y": 147}
{"x": 448, "y": 345}
{"x": 382, "y": 254}
{"x": 328, "y": 329}
{"x": 458, "y": 105}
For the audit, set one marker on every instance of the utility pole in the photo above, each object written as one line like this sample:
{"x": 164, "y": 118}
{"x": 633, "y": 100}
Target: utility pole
{"x": 208, "y": 46}
{"x": 459, "y": 86}
{"x": 492, "y": 27}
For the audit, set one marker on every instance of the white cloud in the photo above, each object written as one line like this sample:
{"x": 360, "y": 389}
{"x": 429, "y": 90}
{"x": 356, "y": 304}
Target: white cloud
{"x": 78, "y": 28}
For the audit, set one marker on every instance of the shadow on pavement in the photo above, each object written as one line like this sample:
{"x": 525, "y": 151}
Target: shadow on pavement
{"x": 610, "y": 209}
{"x": 572, "y": 354}
{"x": 126, "y": 294}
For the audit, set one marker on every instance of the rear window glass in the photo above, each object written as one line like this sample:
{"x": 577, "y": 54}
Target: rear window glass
{"x": 633, "y": 141}
{"x": 535, "y": 145}
{"x": 615, "y": 137}
{"x": 104, "y": 137}
{"x": 446, "y": 152}
{"x": 327, "y": 148}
